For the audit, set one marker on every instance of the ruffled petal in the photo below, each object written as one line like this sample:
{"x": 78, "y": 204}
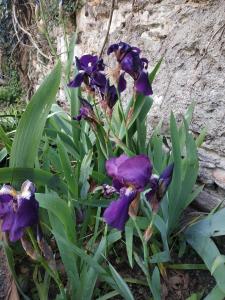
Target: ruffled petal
{"x": 122, "y": 84}
{"x": 112, "y": 164}
{"x": 142, "y": 84}
{"x": 116, "y": 214}
{"x": 135, "y": 171}
{"x": 77, "y": 80}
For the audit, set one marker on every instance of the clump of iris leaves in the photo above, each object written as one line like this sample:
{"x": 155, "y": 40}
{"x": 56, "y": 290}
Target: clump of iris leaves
{"x": 70, "y": 168}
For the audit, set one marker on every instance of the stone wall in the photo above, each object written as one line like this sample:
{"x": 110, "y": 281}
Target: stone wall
{"x": 190, "y": 35}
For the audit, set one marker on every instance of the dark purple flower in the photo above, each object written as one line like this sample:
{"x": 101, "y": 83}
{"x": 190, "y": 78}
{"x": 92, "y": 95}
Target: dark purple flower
{"x": 109, "y": 95}
{"x": 18, "y": 210}
{"x": 159, "y": 186}
{"x": 89, "y": 71}
{"x": 130, "y": 62}
{"x": 86, "y": 111}
{"x": 130, "y": 176}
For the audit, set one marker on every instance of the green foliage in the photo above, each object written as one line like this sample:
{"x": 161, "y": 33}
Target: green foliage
{"x": 12, "y": 92}
{"x": 66, "y": 161}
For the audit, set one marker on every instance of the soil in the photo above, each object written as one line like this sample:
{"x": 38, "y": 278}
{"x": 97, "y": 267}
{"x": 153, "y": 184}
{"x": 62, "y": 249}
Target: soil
{"x": 4, "y": 276}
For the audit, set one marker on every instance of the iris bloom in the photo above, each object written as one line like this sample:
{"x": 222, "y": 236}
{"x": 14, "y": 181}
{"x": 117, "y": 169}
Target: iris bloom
{"x": 89, "y": 71}
{"x": 18, "y": 210}
{"x": 130, "y": 176}
{"x": 86, "y": 111}
{"x": 159, "y": 186}
{"x": 130, "y": 62}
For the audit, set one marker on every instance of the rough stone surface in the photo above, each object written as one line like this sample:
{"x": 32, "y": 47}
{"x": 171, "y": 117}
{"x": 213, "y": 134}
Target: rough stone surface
{"x": 190, "y": 36}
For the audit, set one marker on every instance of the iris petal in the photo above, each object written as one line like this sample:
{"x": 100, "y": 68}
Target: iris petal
{"x": 116, "y": 214}
{"x": 142, "y": 84}
{"x": 88, "y": 60}
{"x": 122, "y": 84}
{"x": 26, "y": 215}
{"x": 8, "y": 220}
{"x": 77, "y": 80}
{"x": 7, "y": 193}
{"x": 135, "y": 171}
{"x": 112, "y": 48}
{"x": 112, "y": 164}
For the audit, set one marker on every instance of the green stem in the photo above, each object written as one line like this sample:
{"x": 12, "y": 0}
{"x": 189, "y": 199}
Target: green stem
{"x": 145, "y": 250}
{"x": 43, "y": 262}
{"x": 124, "y": 120}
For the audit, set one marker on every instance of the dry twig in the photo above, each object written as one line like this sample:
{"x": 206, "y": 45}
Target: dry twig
{"x": 108, "y": 28}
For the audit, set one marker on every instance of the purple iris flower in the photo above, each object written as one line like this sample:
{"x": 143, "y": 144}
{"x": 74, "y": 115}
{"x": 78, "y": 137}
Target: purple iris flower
{"x": 89, "y": 71}
{"x": 159, "y": 186}
{"x": 130, "y": 62}
{"x": 86, "y": 111}
{"x": 18, "y": 210}
{"x": 130, "y": 176}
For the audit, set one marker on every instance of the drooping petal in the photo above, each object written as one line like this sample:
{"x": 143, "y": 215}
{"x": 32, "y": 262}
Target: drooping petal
{"x": 77, "y": 80}
{"x": 135, "y": 171}
{"x": 113, "y": 163}
{"x": 165, "y": 180}
{"x": 132, "y": 64}
{"x": 25, "y": 216}
{"x": 83, "y": 114}
{"x": 116, "y": 214}
{"x": 8, "y": 219}
{"x": 98, "y": 79}
{"x": 122, "y": 84}
{"x": 110, "y": 94}
{"x": 159, "y": 186}
{"x": 142, "y": 84}
{"x": 112, "y": 48}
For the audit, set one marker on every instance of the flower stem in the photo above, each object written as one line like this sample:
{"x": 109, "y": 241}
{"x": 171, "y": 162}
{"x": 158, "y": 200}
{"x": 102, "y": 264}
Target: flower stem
{"x": 44, "y": 263}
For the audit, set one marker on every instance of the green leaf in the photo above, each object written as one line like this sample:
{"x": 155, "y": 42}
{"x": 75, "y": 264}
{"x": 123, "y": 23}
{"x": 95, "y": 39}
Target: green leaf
{"x": 67, "y": 169}
{"x": 31, "y": 125}
{"x": 213, "y": 225}
{"x": 129, "y": 232}
{"x": 16, "y": 176}
{"x": 61, "y": 210}
{"x": 3, "y": 154}
{"x": 220, "y": 259}
{"x": 122, "y": 286}
{"x": 5, "y": 139}
{"x": 156, "y": 287}
{"x": 70, "y": 56}
{"x": 200, "y": 139}
{"x": 215, "y": 294}
{"x": 155, "y": 71}
{"x": 108, "y": 295}
{"x": 208, "y": 251}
